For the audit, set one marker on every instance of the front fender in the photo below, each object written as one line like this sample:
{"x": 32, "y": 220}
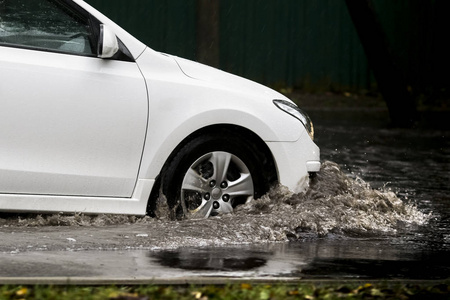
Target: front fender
{"x": 162, "y": 140}
{"x": 180, "y": 105}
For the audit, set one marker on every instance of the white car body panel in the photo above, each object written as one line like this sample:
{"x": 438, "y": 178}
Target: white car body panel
{"x": 136, "y": 205}
{"x": 204, "y": 103}
{"x": 294, "y": 161}
{"x": 100, "y": 148}
{"x": 76, "y": 127}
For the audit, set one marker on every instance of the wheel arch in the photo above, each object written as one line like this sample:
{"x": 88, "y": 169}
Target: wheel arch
{"x": 258, "y": 146}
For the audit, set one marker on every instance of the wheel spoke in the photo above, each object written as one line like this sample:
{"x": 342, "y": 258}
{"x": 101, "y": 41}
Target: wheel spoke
{"x": 202, "y": 212}
{"x": 221, "y": 162}
{"x": 241, "y": 187}
{"x": 194, "y": 182}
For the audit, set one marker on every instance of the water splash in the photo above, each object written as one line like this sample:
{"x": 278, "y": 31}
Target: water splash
{"x": 335, "y": 204}
{"x": 61, "y": 219}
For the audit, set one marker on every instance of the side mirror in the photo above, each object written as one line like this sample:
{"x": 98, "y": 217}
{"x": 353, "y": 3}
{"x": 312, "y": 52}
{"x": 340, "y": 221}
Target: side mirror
{"x": 107, "y": 43}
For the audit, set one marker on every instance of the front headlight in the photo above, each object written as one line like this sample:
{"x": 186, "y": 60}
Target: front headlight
{"x": 293, "y": 110}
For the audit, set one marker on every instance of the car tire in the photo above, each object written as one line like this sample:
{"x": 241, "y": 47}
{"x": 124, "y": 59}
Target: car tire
{"x": 213, "y": 173}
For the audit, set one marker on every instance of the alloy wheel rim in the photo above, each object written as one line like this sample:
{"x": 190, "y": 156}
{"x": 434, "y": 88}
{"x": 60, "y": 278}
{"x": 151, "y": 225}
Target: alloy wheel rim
{"x": 214, "y": 184}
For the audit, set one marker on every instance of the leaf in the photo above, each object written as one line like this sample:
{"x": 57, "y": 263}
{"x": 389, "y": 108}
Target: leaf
{"x": 22, "y": 292}
{"x": 264, "y": 295}
{"x": 376, "y": 292}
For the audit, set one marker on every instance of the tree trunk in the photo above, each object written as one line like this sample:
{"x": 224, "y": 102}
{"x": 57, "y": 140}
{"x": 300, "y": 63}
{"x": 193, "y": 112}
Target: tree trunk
{"x": 391, "y": 81}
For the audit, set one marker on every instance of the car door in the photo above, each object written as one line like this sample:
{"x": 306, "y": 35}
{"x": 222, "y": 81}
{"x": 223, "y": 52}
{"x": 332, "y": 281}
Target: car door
{"x": 70, "y": 123}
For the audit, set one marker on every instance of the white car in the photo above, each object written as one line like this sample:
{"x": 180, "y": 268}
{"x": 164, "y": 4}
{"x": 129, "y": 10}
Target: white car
{"x": 94, "y": 121}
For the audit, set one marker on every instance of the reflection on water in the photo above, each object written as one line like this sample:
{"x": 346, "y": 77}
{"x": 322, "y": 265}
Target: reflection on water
{"x": 213, "y": 259}
{"x": 322, "y": 258}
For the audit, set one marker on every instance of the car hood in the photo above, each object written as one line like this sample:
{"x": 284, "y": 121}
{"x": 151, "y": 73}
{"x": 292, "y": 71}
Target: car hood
{"x": 229, "y": 81}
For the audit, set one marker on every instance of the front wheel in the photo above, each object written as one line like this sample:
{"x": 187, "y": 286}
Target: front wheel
{"x": 213, "y": 174}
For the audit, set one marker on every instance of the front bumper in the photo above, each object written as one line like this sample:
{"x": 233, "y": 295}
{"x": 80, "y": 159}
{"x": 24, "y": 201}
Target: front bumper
{"x": 294, "y": 162}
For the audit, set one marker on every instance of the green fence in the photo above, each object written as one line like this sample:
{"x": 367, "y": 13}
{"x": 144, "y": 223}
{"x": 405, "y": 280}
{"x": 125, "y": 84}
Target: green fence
{"x": 310, "y": 44}
{"x": 164, "y": 25}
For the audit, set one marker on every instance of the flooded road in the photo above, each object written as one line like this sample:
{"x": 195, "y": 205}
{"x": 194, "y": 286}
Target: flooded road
{"x": 379, "y": 208}
{"x": 311, "y": 259}
{"x": 414, "y": 164}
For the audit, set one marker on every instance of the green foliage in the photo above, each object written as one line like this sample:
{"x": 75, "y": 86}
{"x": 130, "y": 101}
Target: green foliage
{"x": 233, "y": 291}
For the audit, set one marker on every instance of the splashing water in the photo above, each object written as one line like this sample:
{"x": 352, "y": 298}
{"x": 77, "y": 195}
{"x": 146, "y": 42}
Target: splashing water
{"x": 61, "y": 219}
{"x": 334, "y": 204}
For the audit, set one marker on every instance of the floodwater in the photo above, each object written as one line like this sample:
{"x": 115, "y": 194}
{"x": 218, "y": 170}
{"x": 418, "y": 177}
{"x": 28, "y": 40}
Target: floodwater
{"x": 379, "y": 208}
{"x": 414, "y": 164}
